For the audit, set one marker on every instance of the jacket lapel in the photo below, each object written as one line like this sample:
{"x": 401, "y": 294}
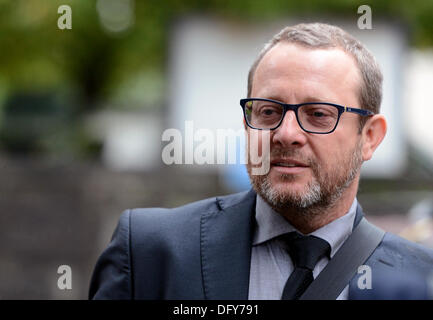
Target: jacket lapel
{"x": 374, "y": 261}
{"x": 226, "y": 238}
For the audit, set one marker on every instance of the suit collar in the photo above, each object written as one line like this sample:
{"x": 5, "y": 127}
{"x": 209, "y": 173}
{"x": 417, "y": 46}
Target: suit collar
{"x": 226, "y": 238}
{"x": 359, "y": 215}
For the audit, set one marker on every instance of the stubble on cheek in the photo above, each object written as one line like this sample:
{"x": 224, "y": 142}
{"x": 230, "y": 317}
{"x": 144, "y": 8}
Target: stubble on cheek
{"x": 322, "y": 188}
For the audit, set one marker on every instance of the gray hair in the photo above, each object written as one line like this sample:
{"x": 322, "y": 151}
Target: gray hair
{"x": 324, "y": 36}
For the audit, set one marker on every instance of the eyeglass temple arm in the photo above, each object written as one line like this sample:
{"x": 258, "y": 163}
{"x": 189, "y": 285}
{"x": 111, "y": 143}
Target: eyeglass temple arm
{"x": 362, "y": 112}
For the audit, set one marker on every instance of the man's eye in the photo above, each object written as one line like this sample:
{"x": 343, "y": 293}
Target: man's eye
{"x": 268, "y": 112}
{"x": 319, "y": 114}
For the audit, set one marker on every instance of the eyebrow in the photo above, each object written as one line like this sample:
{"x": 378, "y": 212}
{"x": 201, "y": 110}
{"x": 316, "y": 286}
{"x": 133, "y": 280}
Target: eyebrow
{"x": 307, "y": 99}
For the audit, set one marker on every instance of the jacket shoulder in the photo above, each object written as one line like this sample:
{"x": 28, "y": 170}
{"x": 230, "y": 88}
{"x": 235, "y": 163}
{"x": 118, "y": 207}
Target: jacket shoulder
{"x": 400, "y": 271}
{"x": 167, "y": 243}
{"x": 404, "y": 254}
{"x": 151, "y": 245}
{"x": 188, "y": 211}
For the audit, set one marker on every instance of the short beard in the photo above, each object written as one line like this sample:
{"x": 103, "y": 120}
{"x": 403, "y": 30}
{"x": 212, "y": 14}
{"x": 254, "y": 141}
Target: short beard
{"x": 321, "y": 193}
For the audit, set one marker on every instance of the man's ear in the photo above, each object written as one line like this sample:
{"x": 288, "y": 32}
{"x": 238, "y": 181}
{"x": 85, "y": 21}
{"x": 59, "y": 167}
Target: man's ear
{"x": 372, "y": 135}
{"x": 245, "y": 125}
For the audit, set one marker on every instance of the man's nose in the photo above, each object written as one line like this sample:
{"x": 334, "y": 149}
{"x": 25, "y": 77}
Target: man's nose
{"x": 289, "y": 133}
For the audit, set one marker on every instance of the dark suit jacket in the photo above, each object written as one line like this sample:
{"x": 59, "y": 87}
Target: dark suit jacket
{"x": 203, "y": 250}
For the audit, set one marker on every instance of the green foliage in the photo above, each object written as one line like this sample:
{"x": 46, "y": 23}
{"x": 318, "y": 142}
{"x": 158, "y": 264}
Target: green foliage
{"x": 97, "y": 65}
{"x": 34, "y": 53}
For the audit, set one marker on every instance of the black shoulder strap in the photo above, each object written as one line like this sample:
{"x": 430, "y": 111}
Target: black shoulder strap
{"x": 343, "y": 266}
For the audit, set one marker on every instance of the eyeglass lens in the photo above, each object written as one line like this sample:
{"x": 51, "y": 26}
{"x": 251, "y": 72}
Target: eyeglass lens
{"x": 312, "y": 117}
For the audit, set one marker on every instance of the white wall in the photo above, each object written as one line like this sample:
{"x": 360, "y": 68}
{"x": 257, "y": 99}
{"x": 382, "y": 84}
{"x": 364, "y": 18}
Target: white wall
{"x": 418, "y": 107}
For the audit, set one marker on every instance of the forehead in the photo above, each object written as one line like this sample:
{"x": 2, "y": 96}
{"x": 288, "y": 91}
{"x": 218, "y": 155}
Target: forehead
{"x": 294, "y": 70}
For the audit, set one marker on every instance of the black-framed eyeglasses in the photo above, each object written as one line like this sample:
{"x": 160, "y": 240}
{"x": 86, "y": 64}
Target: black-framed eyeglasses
{"x": 312, "y": 117}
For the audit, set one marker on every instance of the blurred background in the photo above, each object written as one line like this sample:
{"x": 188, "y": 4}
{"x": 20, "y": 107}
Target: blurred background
{"x": 83, "y": 111}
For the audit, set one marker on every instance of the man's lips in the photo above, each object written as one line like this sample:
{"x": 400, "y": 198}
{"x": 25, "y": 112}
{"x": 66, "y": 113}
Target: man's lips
{"x": 287, "y": 163}
{"x": 288, "y": 166}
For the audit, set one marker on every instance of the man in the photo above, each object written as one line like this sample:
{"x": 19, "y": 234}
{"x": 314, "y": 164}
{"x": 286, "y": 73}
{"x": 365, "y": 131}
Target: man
{"x": 316, "y": 91}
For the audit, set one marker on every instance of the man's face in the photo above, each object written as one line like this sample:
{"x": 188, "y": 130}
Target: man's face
{"x": 308, "y": 170}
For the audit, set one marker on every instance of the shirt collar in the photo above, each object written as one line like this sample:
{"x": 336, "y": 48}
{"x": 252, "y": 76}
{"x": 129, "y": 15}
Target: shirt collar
{"x": 270, "y": 224}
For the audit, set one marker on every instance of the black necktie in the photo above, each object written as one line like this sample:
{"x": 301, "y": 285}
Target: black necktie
{"x": 305, "y": 252}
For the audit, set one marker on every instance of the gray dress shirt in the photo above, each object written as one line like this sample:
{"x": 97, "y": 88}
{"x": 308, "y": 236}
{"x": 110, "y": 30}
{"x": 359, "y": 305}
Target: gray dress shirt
{"x": 271, "y": 265}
